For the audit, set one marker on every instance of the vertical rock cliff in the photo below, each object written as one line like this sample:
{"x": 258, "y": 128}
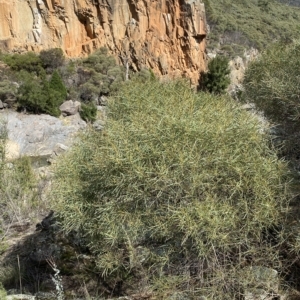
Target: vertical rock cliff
{"x": 166, "y": 35}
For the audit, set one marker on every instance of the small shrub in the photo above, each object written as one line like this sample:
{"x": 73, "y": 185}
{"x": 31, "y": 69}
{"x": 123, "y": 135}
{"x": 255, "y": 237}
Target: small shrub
{"x": 8, "y": 90}
{"x": 56, "y": 84}
{"x": 29, "y": 62}
{"x": 37, "y": 96}
{"x": 101, "y": 75}
{"x": 216, "y": 79}
{"x": 88, "y": 112}
{"x": 24, "y": 172}
{"x": 52, "y": 59}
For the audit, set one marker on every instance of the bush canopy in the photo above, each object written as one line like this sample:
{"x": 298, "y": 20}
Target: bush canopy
{"x": 177, "y": 190}
{"x": 272, "y": 82}
{"x": 216, "y": 79}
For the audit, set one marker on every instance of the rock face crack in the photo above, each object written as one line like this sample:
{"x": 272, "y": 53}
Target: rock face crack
{"x": 167, "y": 36}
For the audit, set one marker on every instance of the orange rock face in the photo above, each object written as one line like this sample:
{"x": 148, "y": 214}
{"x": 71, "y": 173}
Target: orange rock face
{"x": 167, "y": 36}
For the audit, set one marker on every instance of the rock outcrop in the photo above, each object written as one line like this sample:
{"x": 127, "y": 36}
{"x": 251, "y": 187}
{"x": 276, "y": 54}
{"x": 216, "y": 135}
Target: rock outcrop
{"x": 39, "y": 135}
{"x": 167, "y": 36}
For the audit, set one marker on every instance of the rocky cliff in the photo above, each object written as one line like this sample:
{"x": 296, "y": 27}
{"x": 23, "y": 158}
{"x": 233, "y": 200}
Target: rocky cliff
{"x": 166, "y": 35}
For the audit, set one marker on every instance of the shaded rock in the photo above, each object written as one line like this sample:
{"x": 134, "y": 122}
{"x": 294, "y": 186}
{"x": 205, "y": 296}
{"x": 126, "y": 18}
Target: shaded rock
{"x": 179, "y": 296}
{"x": 47, "y": 222}
{"x": 45, "y": 296}
{"x": 70, "y": 107}
{"x": 260, "y": 294}
{"x": 102, "y": 101}
{"x": 58, "y": 149}
{"x": 1, "y": 105}
{"x": 264, "y": 284}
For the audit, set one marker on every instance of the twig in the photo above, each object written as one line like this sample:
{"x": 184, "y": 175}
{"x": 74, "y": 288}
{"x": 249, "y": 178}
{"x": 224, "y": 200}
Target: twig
{"x": 19, "y": 274}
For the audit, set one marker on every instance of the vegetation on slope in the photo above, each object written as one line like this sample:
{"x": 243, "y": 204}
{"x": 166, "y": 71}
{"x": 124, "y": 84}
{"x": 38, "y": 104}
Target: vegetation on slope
{"x": 176, "y": 194}
{"x": 250, "y": 23}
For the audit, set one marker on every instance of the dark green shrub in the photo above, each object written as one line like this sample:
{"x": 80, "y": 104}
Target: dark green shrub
{"x": 29, "y": 62}
{"x": 52, "y": 59}
{"x": 36, "y": 95}
{"x": 100, "y": 76}
{"x": 175, "y": 193}
{"x": 216, "y": 79}
{"x": 57, "y": 85}
{"x": 8, "y": 90}
{"x": 88, "y": 112}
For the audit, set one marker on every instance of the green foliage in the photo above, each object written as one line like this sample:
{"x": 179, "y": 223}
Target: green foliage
{"x": 177, "y": 190}
{"x": 143, "y": 75}
{"x": 7, "y": 89}
{"x": 57, "y": 85}
{"x": 52, "y": 59}
{"x": 29, "y": 62}
{"x": 2, "y": 292}
{"x": 18, "y": 193}
{"x": 272, "y": 82}
{"x": 216, "y": 79}
{"x": 24, "y": 173}
{"x": 38, "y": 96}
{"x": 100, "y": 76}
{"x": 88, "y": 112}
{"x": 252, "y": 23}
{"x": 264, "y": 5}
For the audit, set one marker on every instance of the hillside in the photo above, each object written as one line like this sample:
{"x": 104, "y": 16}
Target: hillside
{"x": 235, "y": 25}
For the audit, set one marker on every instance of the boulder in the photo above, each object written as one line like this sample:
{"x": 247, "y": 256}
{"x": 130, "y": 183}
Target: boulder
{"x": 39, "y": 135}
{"x": 70, "y": 107}
{"x": 264, "y": 284}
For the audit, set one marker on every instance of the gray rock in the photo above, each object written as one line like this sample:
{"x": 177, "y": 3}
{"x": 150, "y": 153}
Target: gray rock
{"x": 70, "y": 107}
{"x": 102, "y": 101}
{"x": 265, "y": 278}
{"x": 263, "y": 283}
{"x": 98, "y": 124}
{"x": 1, "y": 105}
{"x": 260, "y": 294}
{"x": 45, "y": 296}
{"x": 179, "y": 296}
{"x": 39, "y": 135}
{"x": 101, "y": 108}
{"x": 20, "y": 297}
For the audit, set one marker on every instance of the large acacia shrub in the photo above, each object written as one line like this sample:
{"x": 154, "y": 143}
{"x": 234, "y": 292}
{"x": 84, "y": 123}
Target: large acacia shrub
{"x": 176, "y": 194}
